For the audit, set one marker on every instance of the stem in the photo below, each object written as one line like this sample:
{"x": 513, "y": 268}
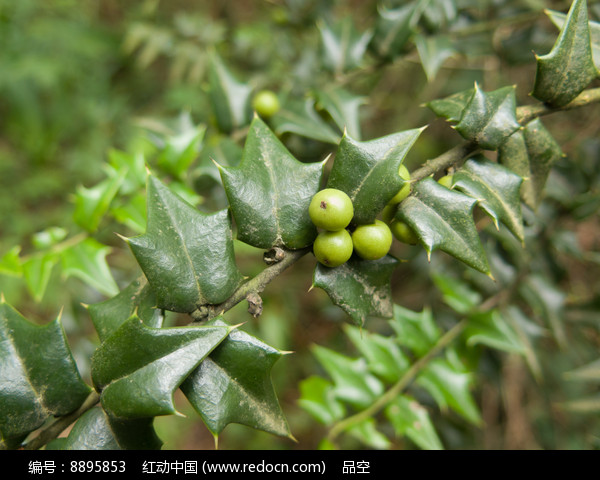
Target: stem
{"x": 254, "y": 285}
{"x": 55, "y": 429}
{"x": 401, "y": 385}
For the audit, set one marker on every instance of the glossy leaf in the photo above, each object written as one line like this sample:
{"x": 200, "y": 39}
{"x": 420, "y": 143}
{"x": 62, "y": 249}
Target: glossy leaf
{"x": 91, "y": 204}
{"x": 317, "y": 397}
{"x": 269, "y": 192}
{"x": 411, "y": 419}
{"x": 559, "y": 18}
{"x": 531, "y": 153}
{"x": 38, "y": 376}
{"x": 450, "y": 388}
{"x": 352, "y": 381}
{"x": 359, "y": 287}
{"x": 95, "y": 430}
{"x": 301, "y": 118}
{"x": 442, "y": 219}
{"x": 138, "y": 368}
{"x": 451, "y": 107}
{"x": 186, "y": 255}
{"x": 86, "y": 260}
{"x": 384, "y": 357}
{"x": 230, "y": 99}
{"x": 37, "y": 270}
{"x": 233, "y": 385}
{"x": 489, "y": 118}
{"x": 433, "y": 52}
{"x": 491, "y": 329}
{"x": 564, "y": 73}
{"x": 497, "y": 190}
{"x": 182, "y": 148}
{"x": 368, "y": 171}
{"x": 343, "y": 107}
{"x": 137, "y": 297}
{"x": 416, "y": 330}
{"x": 343, "y": 45}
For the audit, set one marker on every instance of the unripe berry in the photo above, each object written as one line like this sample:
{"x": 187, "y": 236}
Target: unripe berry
{"x": 333, "y": 248}
{"x": 331, "y": 209}
{"x": 405, "y": 190}
{"x": 372, "y": 241}
{"x": 403, "y": 232}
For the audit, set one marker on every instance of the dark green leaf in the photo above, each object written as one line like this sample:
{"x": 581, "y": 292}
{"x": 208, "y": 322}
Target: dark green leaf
{"x": 451, "y": 108}
{"x": 489, "y": 118}
{"x": 497, "y": 190}
{"x": 368, "y": 171}
{"x": 442, "y": 219}
{"x": 394, "y": 28}
{"x": 352, "y": 381}
{"x": 86, "y": 260}
{"x": 343, "y": 107}
{"x": 302, "y": 119}
{"x": 138, "y": 368}
{"x": 343, "y": 45}
{"x": 95, "y": 430}
{"x": 230, "y": 99}
{"x": 38, "y": 376}
{"x": 233, "y": 385}
{"x": 186, "y": 255}
{"x": 317, "y": 397}
{"x": 411, "y": 419}
{"x": 360, "y": 287}
{"x": 138, "y": 298}
{"x": 564, "y": 73}
{"x": 269, "y": 192}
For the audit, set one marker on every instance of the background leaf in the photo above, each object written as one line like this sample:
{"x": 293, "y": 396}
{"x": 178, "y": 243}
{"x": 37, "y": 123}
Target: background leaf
{"x": 411, "y": 419}
{"x": 300, "y": 117}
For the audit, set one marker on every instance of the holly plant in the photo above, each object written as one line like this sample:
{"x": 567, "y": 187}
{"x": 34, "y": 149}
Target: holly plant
{"x": 284, "y": 169}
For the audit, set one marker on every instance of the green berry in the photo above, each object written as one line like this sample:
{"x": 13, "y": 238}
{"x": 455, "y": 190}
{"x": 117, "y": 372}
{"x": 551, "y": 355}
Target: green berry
{"x": 372, "y": 241}
{"x": 446, "y": 181}
{"x": 332, "y": 249}
{"x": 403, "y": 232}
{"x": 266, "y": 103}
{"x": 405, "y": 190}
{"x": 331, "y": 209}
{"x": 388, "y": 213}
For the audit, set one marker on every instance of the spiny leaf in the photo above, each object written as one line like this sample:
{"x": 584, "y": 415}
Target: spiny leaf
{"x": 531, "y": 153}
{"x": 442, "y": 219}
{"x": 95, "y": 430}
{"x": 86, "y": 260}
{"x": 138, "y": 368}
{"x": 269, "y": 192}
{"x": 186, "y": 255}
{"x": 451, "y": 107}
{"x": 489, "y": 118}
{"x": 434, "y": 51}
{"x": 368, "y": 171}
{"x": 233, "y": 385}
{"x": 564, "y": 73}
{"x": 182, "y": 148}
{"x": 137, "y": 297}
{"x": 38, "y": 376}
{"x": 394, "y": 28}
{"x": 497, "y": 190}
{"x": 457, "y": 295}
{"x": 489, "y": 328}
{"x": 343, "y": 45}
{"x": 317, "y": 397}
{"x": 360, "y": 287}
{"x": 302, "y": 119}
{"x": 411, "y": 419}
{"x": 416, "y": 330}
{"x": 343, "y": 107}
{"x": 37, "y": 270}
{"x": 366, "y": 432}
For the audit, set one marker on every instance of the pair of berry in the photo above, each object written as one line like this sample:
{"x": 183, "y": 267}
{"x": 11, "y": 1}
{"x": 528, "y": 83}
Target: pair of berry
{"x": 332, "y": 211}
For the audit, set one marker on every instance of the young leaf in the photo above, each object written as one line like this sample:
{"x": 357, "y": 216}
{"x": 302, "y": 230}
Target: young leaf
{"x": 416, "y": 330}
{"x": 10, "y": 262}
{"x": 530, "y": 153}
{"x": 38, "y": 376}
{"x": 497, "y": 190}
{"x": 489, "y": 328}
{"x": 302, "y": 119}
{"x": 95, "y": 430}
{"x": 230, "y": 99}
{"x": 132, "y": 213}
{"x": 138, "y": 368}
{"x": 457, "y": 295}
{"x": 411, "y": 419}
{"x": 137, "y": 297}
{"x": 233, "y": 385}
{"x": 368, "y": 171}
{"x": 269, "y": 192}
{"x": 450, "y": 387}
{"x": 181, "y": 149}
{"x": 442, "y": 219}
{"x": 360, "y": 287}
{"x": 37, "y": 270}
{"x": 367, "y": 433}
{"x": 343, "y": 45}
{"x": 434, "y": 51}
{"x": 343, "y": 107}
{"x": 559, "y": 18}
{"x": 317, "y": 397}
{"x": 134, "y": 164}
{"x": 451, "y": 107}
{"x": 86, "y": 260}
{"x": 564, "y": 73}
{"x": 186, "y": 255}
{"x": 489, "y": 118}
{"x": 353, "y": 382}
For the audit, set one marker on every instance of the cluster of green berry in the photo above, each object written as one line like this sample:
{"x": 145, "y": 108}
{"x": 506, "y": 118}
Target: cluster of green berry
{"x": 332, "y": 211}
{"x": 399, "y": 229}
